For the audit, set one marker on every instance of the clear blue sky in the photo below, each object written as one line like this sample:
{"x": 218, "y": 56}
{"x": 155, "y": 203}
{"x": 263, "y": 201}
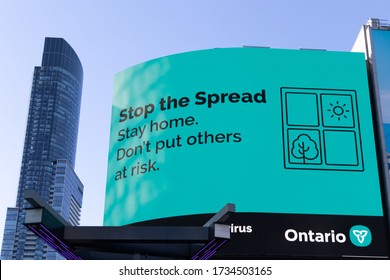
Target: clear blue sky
{"x": 110, "y": 36}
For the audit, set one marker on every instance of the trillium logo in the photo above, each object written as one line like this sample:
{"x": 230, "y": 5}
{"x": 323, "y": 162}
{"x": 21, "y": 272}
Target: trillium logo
{"x": 360, "y": 236}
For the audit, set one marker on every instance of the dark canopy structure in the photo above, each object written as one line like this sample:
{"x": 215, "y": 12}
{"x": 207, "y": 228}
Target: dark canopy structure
{"x": 127, "y": 242}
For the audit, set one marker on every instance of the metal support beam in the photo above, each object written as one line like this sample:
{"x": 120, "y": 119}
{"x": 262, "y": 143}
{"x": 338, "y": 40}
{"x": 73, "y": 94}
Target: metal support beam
{"x": 222, "y": 215}
{"x": 37, "y": 202}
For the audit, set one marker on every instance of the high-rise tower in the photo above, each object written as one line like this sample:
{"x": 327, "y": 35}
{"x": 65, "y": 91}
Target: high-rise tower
{"x": 49, "y": 149}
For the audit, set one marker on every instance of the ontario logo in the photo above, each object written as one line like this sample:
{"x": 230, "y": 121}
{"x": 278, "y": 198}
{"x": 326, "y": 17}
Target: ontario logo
{"x": 360, "y": 236}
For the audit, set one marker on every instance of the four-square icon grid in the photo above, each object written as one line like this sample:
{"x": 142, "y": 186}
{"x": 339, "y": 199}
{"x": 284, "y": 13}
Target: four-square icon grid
{"x": 321, "y": 129}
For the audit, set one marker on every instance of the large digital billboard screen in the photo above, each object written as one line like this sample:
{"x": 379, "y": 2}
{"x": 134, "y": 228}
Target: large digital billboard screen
{"x": 381, "y": 49}
{"x": 285, "y": 135}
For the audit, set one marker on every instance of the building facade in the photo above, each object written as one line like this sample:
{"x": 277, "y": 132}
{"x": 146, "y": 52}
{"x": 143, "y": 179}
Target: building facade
{"x": 49, "y": 150}
{"x": 374, "y": 41}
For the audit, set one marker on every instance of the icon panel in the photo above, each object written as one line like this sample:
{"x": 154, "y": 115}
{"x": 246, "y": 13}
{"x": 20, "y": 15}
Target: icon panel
{"x": 321, "y": 129}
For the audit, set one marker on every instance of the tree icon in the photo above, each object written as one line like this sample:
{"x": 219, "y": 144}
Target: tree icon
{"x": 304, "y": 148}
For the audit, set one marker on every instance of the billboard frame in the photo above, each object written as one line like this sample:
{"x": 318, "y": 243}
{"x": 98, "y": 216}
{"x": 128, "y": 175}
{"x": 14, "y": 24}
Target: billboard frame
{"x": 383, "y": 167}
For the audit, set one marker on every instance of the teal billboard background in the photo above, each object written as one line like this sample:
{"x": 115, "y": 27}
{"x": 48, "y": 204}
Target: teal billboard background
{"x": 273, "y": 131}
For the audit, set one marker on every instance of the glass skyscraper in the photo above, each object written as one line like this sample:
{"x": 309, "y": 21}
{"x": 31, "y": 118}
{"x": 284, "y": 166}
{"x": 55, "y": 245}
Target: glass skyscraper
{"x": 49, "y": 150}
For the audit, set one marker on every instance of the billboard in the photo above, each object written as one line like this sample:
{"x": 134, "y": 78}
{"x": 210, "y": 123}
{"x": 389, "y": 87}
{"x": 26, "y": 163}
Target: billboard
{"x": 286, "y": 135}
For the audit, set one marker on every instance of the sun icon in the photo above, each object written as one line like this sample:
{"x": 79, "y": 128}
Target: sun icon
{"x": 338, "y": 111}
